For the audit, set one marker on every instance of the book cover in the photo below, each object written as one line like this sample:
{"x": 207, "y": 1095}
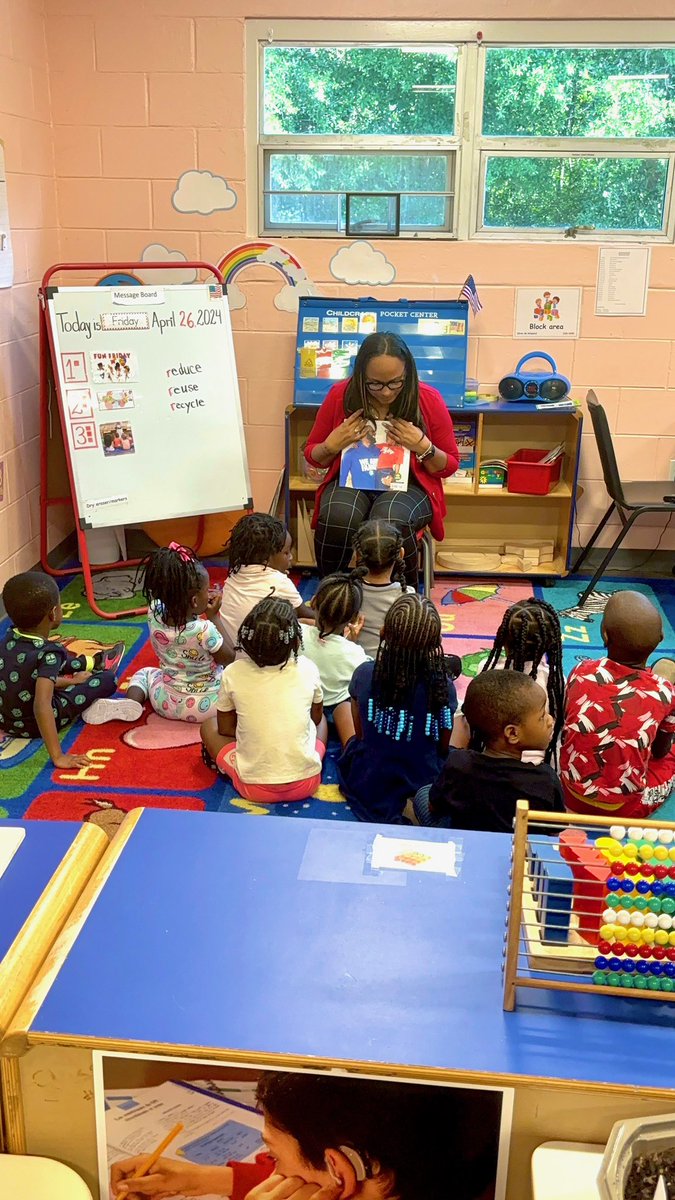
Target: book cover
{"x": 375, "y": 464}
{"x": 465, "y": 436}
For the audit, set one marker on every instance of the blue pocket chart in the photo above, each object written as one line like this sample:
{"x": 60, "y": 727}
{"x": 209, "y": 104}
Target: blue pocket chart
{"x": 330, "y": 332}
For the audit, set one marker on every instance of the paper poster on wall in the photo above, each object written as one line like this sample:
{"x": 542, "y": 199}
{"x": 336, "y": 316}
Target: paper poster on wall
{"x": 547, "y": 312}
{"x": 623, "y": 281}
{"x": 6, "y": 257}
{"x": 224, "y": 1129}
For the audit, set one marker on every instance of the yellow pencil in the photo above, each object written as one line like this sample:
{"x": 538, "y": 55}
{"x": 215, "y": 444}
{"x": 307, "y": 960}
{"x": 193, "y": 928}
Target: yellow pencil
{"x": 147, "y": 1166}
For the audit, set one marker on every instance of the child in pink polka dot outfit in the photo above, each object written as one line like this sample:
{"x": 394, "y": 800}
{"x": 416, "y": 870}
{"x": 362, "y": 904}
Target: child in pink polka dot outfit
{"x": 186, "y": 632}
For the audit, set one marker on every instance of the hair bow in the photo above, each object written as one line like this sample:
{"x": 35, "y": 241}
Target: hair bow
{"x": 178, "y": 549}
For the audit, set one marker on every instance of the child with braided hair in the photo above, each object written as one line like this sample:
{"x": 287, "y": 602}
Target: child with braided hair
{"x": 331, "y": 643}
{"x": 186, "y": 633}
{"x": 269, "y": 734}
{"x": 529, "y": 640}
{"x": 402, "y": 705}
{"x": 260, "y": 558}
{"x": 378, "y": 546}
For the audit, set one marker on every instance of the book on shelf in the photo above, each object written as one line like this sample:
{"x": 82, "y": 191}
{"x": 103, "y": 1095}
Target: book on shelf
{"x": 492, "y": 474}
{"x": 465, "y": 436}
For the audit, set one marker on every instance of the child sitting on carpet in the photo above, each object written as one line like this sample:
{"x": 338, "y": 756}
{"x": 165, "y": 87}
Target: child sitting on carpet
{"x": 529, "y": 640}
{"x": 190, "y": 647}
{"x": 478, "y": 787}
{"x": 378, "y": 546}
{"x": 43, "y": 687}
{"x": 402, "y": 706}
{"x": 617, "y": 756}
{"x": 260, "y": 559}
{"x": 270, "y": 732}
{"x": 332, "y": 644}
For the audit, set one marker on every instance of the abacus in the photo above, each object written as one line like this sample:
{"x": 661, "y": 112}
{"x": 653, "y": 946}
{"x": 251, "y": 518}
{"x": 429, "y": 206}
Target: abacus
{"x": 591, "y": 906}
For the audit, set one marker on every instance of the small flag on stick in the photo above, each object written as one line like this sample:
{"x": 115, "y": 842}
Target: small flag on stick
{"x": 470, "y": 292}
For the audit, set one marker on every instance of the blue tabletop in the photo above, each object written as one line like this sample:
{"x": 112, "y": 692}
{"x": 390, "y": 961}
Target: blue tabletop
{"x": 29, "y": 872}
{"x": 278, "y": 937}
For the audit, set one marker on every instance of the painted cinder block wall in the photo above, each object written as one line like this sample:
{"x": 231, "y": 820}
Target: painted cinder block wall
{"x": 114, "y": 103}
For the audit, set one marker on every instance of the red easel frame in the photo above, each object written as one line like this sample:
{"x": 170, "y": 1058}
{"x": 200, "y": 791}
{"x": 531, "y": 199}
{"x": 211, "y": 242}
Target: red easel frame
{"x": 47, "y": 357}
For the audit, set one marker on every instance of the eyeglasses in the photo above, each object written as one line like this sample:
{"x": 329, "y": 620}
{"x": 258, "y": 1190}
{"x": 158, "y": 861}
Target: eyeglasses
{"x": 392, "y": 385}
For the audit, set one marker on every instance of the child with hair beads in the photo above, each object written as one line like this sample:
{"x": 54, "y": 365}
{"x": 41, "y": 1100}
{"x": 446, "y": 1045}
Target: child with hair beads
{"x": 478, "y": 787}
{"x": 270, "y": 732}
{"x": 379, "y": 560}
{"x": 529, "y": 640}
{"x": 260, "y": 558}
{"x": 42, "y": 686}
{"x": 332, "y": 645}
{"x": 402, "y": 705}
{"x": 190, "y": 647}
{"x": 617, "y": 757}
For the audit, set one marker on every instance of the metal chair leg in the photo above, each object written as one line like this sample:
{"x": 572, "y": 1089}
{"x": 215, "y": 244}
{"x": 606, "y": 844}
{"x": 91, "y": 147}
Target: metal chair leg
{"x": 426, "y": 546}
{"x": 594, "y": 537}
{"x": 609, "y": 556}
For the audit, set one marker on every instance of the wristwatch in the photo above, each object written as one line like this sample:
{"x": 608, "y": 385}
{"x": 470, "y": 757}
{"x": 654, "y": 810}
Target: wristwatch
{"x": 430, "y": 450}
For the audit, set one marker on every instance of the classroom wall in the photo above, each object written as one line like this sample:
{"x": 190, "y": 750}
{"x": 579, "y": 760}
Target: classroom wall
{"x": 147, "y": 89}
{"x": 25, "y": 128}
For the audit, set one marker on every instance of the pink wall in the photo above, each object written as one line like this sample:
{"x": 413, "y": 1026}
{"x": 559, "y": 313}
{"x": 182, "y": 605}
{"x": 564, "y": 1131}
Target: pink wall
{"x": 146, "y": 89}
{"x": 25, "y": 127}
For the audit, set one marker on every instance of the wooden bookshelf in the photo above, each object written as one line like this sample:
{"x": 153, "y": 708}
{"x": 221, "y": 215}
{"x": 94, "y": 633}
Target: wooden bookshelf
{"x": 486, "y": 517}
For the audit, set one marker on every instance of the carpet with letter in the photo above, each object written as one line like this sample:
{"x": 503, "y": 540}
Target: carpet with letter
{"x": 157, "y": 763}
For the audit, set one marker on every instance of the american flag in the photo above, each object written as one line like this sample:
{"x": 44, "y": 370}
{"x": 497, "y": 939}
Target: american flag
{"x": 470, "y": 292}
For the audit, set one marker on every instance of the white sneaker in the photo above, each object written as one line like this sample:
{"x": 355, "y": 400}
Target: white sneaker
{"x": 102, "y": 711}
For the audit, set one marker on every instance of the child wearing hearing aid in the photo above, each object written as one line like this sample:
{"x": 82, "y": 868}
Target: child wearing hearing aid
{"x": 336, "y": 1138}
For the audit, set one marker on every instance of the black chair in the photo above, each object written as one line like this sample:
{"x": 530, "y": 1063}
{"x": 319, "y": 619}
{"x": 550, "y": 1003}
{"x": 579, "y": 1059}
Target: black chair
{"x": 630, "y": 500}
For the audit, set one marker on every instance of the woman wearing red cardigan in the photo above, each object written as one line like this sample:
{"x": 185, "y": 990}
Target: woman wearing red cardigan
{"x": 383, "y": 387}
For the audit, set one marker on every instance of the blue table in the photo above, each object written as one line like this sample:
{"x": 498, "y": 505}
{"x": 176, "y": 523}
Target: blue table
{"x": 38, "y": 891}
{"x": 232, "y": 939}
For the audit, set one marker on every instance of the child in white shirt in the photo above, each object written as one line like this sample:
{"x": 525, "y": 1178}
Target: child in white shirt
{"x": 260, "y": 559}
{"x": 270, "y": 733}
{"x": 332, "y": 644}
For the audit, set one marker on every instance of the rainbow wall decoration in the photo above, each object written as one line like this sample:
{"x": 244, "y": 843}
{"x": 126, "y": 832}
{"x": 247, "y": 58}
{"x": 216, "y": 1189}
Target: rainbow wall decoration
{"x": 266, "y": 254}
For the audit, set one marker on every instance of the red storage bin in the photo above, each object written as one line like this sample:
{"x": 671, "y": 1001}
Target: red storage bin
{"x": 529, "y": 476}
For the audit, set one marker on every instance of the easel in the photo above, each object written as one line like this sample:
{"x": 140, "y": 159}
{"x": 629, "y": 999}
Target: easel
{"x": 47, "y": 392}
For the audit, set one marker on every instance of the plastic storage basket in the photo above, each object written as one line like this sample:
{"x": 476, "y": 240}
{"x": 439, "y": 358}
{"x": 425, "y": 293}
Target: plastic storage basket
{"x": 528, "y": 475}
{"x": 627, "y": 1140}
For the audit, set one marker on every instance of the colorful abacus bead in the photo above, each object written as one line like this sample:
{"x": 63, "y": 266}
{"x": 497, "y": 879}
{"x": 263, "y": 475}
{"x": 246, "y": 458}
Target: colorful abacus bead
{"x": 598, "y": 977}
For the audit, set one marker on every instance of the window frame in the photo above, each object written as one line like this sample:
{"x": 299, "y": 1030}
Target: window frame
{"x": 468, "y": 144}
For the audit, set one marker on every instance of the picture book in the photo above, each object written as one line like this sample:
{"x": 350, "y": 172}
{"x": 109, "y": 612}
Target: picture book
{"x": 465, "y": 436}
{"x": 375, "y": 464}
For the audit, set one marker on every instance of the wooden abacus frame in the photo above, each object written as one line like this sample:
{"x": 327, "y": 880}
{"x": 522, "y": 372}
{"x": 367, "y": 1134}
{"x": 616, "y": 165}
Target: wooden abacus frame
{"x": 516, "y": 946}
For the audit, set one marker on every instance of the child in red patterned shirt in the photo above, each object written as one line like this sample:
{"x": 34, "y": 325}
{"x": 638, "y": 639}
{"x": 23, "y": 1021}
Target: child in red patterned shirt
{"x": 617, "y": 756}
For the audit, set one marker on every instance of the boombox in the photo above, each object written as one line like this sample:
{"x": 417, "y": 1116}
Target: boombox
{"x": 535, "y": 385}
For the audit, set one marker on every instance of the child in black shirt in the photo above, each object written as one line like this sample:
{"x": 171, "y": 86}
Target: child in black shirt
{"x": 43, "y": 687}
{"x": 478, "y": 787}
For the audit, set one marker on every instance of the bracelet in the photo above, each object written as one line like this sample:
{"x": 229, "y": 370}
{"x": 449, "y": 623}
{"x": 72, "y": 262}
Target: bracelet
{"x": 428, "y": 453}
{"x": 420, "y": 438}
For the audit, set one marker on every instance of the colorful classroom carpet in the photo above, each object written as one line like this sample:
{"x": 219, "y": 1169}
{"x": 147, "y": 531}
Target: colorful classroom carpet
{"x": 157, "y": 763}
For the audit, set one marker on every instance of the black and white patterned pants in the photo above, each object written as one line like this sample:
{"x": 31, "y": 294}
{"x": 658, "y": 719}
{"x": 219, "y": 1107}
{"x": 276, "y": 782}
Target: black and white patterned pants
{"x": 343, "y": 509}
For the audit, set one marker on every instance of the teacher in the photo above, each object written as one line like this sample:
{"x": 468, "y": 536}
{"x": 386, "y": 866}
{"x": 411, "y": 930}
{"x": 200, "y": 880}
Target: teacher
{"x": 384, "y": 387}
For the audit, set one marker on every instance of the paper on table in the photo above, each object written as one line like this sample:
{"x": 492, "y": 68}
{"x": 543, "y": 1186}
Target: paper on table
{"x": 406, "y": 854}
{"x": 215, "y": 1129}
{"x": 10, "y": 840}
{"x": 623, "y": 280}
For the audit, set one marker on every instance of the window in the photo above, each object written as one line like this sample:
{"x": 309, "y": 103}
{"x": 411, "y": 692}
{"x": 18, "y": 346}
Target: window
{"x": 358, "y": 119}
{"x": 486, "y": 137}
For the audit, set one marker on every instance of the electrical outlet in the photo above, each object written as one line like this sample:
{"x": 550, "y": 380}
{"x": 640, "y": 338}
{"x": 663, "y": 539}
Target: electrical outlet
{"x": 671, "y": 473}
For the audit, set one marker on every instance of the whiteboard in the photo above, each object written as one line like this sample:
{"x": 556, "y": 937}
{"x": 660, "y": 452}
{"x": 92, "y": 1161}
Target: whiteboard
{"x": 149, "y": 401}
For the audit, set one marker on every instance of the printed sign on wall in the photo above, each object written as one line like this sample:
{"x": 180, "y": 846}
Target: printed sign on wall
{"x": 6, "y": 258}
{"x": 547, "y": 312}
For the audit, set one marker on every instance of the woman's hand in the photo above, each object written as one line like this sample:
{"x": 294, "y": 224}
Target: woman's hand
{"x": 404, "y": 433}
{"x": 350, "y": 431}
{"x": 168, "y": 1177}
